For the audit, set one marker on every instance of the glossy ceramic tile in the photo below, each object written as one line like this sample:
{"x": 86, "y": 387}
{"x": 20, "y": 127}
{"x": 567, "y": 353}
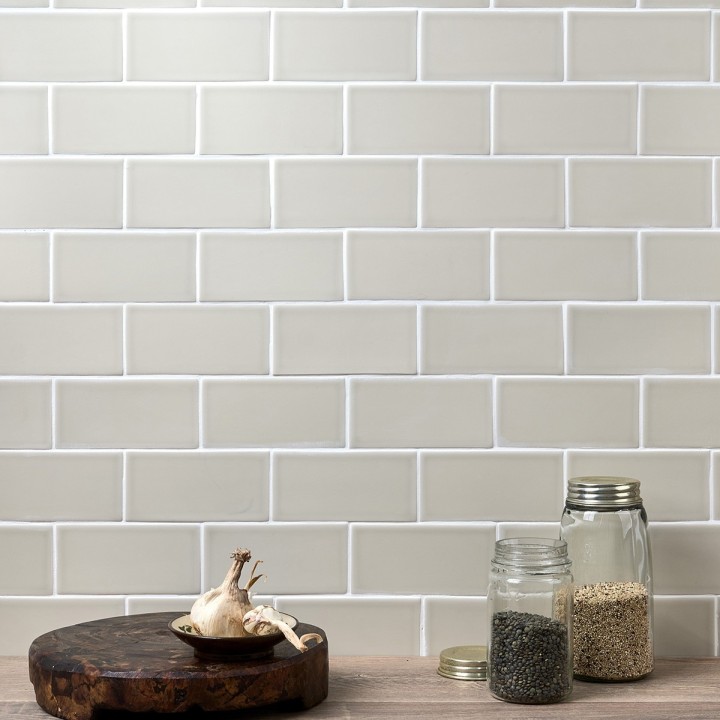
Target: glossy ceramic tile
{"x": 501, "y": 339}
{"x": 630, "y": 340}
{"x": 451, "y": 621}
{"x": 276, "y": 266}
{"x": 418, "y": 119}
{"x": 411, "y": 265}
{"x": 23, "y": 120}
{"x": 24, "y": 266}
{"x": 85, "y": 554}
{"x": 126, "y": 413}
{"x": 123, "y": 267}
{"x": 492, "y": 192}
{"x": 343, "y": 339}
{"x": 197, "y": 45}
{"x": 177, "y": 339}
{"x": 684, "y": 626}
{"x": 35, "y": 340}
{"x": 59, "y": 486}
{"x": 415, "y": 549}
{"x": 192, "y": 486}
{"x": 273, "y": 118}
{"x": 420, "y": 412}
{"x": 568, "y": 412}
{"x": 61, "y": 193}
{"x": 26, "y": 419}
{"x": 27, "y": 560}
{"x": 274, "y": 412}
{"x": 309, "y": 558}
{"x": 333, "y": 45}
{"x": 491, "y": 46}
{"x": 565, "y": 265}
{"x": 486, "y": 485}
{"x": 390, "y": 625}
{"x": 350, "y": 486}
{"x": 108, "y": 120}
{"x": 674, "y": 483}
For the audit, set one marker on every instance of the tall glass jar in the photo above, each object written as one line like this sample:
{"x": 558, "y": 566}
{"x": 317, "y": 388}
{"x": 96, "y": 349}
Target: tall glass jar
{"x": 530, "y": 621}
{"x": 605, "y": 526}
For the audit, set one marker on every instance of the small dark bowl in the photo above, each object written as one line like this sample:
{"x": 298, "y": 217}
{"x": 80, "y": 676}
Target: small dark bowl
{"x": 228, "y": 649}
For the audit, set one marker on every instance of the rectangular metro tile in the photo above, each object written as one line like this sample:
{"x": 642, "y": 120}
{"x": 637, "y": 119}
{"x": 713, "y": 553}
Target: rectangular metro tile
{"x": 340, "y": 192}
{"x": 677, "y": 120}
{"x": 659, "y": 192}
{"x": 26, "y": 418}
{"x": 271, "y": 266}
{"x": 108, "y": 120}
{"x": 491, "y": 339}
{"x": 126, "y": 413}
{"x": 554, "y": 412}
{"x": 695, "y": 400}
{"x": 24, "y": 266}
{"x": 23, "y": 120}
{"x": 420, "y": 412}
{"x": 565, "y": 119}
{"x": 451, "y": 621}
{"x": 141, "y": 4}
{"x": 333, "y": 45}
{"x": 88, "y": 559}
{"x": 284, "y": 550}
{"x": 123, "y": 267}
{"x": 49, "y": 47}
{"x": 390, "y": 625}
{"x": 486, "y": 485}
{"x": 274, "y": 412}
{"x": 341, "y": 339}
{"x": 527, "y": 529}
{"x": 677, "y": 550}
{"x": 197, "y": 339}
{"x": 680, "y": 265}
{"x": 53, "y": 340}
{"x": 415, "y": 549}
{"x": 198, "y": 193}
{"x": 159, "y": 603}
{"x": 489, "y": 45}
{"x": 420, "y": 3}
{"x": 492, "y": 192}
{"x": 412, "y": 265}
{"x": 30, "y": 617}
{"x": 628, "y": 340}
{"x": 674, "y": 483}
{"x": 637, "y": 46}
{"x": 565, "y": 265}
{"x": 347, "y": 485}
{"x": 201, "y": 487}
{"x": 61, "y": 193}
{"x": 715, "y": 480}
{"x": 418, "y": 119}
{"x": 26, "y": 556}
{"x": 61, "y": 486}
{"x": 197, "y": 45}
{"x": 565, "y": 3}
{"x": 273, "y": 118}
{"x": 678, "y": 4}
{"x": 272, "y": 3}
{"x": 684, "y": 626}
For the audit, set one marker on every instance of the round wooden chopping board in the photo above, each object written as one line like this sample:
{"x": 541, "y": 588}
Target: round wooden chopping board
{"x": 135, "y": 663}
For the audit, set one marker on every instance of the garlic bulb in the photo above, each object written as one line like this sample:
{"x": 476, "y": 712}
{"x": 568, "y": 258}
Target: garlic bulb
{"x": 220, "y": 611}
{"x": 265, "y": 620}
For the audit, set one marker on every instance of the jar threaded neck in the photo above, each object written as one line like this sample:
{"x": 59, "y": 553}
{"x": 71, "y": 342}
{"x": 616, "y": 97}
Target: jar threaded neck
{"x": 531, "y": 555}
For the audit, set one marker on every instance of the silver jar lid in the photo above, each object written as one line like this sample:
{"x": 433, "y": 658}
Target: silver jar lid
{"x": 464, "y": 662}
{"x": 603, "y": 491}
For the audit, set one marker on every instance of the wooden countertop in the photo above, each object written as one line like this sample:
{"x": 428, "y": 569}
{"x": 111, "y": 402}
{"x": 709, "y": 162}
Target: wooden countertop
{"x": 366, "y": 688}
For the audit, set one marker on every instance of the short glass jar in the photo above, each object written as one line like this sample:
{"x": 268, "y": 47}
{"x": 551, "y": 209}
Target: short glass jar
{"x": 605, "y": 526}
{"x": 530, "y": 621}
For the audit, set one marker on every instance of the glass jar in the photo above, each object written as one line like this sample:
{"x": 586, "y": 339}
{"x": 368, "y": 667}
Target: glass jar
{"x": 605, "y": 526}
{"x": 530, "y": 621}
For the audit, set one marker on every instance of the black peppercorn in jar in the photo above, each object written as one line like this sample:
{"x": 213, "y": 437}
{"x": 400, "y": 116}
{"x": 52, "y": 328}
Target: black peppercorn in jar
{"x": 605, "y": 527}
{"x": 530, "y": 621}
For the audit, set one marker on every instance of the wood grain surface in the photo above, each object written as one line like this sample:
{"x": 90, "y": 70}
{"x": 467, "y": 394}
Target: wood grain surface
{"x": 372, "y": 688}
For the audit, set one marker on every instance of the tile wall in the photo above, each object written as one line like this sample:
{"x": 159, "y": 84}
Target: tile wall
{"x": 357, "y": 284}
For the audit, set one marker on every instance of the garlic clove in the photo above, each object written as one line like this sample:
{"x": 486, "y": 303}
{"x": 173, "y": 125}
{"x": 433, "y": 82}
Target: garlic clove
{"x": 265, "y": 620}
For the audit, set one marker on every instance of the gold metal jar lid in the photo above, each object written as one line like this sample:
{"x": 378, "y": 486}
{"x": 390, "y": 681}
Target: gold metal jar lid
{"x": 603, "y": 492}
{"x": 464, "y": 662}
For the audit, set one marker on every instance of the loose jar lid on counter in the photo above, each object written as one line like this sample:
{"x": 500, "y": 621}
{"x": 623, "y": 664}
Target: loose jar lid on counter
{"x": 464, "y": 662}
